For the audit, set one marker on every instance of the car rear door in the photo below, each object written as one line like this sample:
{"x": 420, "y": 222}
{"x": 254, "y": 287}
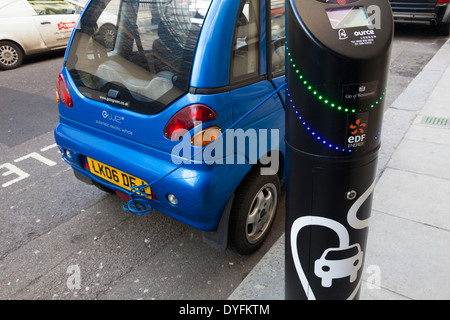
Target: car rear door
{"x": 250, "y": 77}
{"x": 55, "y": 21}
{"x": 277, "y": 44}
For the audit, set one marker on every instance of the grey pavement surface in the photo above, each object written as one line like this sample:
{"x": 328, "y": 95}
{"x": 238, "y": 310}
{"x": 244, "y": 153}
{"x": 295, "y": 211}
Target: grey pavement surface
{"x": 407, "y": 256}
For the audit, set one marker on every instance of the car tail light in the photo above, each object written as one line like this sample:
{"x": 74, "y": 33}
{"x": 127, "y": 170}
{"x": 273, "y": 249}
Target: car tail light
{"x": 443, "y": 1}
{"x": 206, "y": 136}
{"x": 63, "y": 91}
{"x": 186, "y": 119}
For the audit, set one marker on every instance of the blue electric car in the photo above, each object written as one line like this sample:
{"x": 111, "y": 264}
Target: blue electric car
{"x": 178, "y": 106}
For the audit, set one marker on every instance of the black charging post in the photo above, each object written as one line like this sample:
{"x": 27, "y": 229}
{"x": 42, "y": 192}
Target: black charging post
{"x": 337, "y": 65}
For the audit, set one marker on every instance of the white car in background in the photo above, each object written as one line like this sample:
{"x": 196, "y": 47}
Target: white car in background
{"x": 34, "y": 26}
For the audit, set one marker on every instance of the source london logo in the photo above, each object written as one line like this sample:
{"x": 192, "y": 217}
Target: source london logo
{"x": 357, "y": 126}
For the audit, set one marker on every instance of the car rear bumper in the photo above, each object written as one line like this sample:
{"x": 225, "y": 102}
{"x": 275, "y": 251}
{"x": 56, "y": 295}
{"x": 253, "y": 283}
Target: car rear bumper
{"x": 202, "y": 190}
{"x": 421, "y": 15}
{"x": 419, "y": 18}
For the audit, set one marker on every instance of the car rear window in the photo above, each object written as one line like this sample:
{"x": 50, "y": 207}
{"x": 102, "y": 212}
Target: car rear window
{"x": 136, "y": 54}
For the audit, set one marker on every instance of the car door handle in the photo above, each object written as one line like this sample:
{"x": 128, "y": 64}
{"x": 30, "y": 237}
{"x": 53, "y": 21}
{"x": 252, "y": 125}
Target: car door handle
{"x": 45, "y": 22}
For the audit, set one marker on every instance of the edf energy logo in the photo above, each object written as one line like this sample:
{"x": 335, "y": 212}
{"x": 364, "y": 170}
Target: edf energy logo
{"x": 357, "y": 126}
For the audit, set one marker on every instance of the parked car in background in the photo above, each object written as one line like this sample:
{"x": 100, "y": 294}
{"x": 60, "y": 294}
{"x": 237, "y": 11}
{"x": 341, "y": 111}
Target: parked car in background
{"x": 34, "y": 26}
{"x": 428, "y": 12}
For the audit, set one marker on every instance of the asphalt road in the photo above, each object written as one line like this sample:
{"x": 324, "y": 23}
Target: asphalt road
{"x": 62, "y": 239}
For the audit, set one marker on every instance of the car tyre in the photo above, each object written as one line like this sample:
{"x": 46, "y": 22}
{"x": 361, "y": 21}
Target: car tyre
{"x": 443, "y": 29}
{"x": 107, "y": 36}
{"x": 254, "y": 208}
{"x": 11, "y": 55}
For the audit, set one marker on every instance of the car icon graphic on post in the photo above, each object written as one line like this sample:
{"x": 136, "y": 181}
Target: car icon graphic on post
{"x": 336, "y": 263}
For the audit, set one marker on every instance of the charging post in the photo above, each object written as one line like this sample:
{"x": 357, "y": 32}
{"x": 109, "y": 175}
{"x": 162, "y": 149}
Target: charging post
{"x": 337, "y": 66}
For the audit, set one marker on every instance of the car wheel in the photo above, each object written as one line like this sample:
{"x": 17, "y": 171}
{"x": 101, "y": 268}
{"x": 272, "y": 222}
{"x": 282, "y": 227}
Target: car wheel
{"x": 254, "y": 208}
{"x": 107, "y": 36}
{"x": 11, "y": 55}
{"x": 443, "y": 29}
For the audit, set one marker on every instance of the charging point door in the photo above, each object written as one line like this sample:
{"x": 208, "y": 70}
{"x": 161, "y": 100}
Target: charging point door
{"x": 337, "y": 66}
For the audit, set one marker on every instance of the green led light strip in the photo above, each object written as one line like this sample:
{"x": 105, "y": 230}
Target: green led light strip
{"x": 319, "y": 96}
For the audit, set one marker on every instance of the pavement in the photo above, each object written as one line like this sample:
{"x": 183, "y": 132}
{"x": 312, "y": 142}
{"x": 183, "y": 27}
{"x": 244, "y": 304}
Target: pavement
{"x": 408, "y": 248}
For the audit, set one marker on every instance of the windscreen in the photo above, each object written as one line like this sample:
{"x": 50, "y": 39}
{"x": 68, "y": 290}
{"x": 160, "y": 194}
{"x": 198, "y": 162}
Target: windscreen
{"x": 136, "y": 54}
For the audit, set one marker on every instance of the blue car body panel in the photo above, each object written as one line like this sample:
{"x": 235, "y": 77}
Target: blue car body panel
{"x": 135, "y": 143}
{"x": 212, "y": 63}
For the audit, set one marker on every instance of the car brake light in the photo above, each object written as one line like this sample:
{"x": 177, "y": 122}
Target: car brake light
{"x": 186, "y": 119}
{"x": 444, "y": 1}
{"x": 63, "y": 91}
